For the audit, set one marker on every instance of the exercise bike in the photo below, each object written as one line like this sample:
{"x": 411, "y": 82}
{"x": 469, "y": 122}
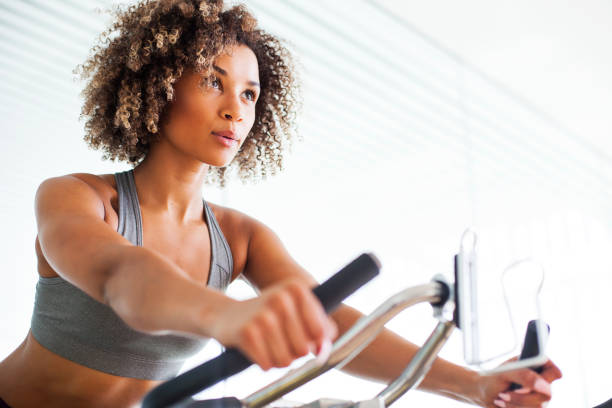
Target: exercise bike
{"x": 454, "y": 306}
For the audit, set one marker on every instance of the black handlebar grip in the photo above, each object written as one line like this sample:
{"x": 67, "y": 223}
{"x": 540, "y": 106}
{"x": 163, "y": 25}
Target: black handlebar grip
{"x": 531, "y": 348}
{"x": 334, "y": 290}
{"x": 330, "y": 293}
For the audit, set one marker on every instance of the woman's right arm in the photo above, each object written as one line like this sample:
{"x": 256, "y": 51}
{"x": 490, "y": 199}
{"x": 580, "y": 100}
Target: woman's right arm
{"x": 152, "y": 294}
{"x": 149, "y": 292}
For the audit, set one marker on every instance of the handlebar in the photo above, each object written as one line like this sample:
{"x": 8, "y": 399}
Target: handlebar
{"x": 330, "y": 293}
{"x": 531, "y": 348}
{"x": 352, "y": 342}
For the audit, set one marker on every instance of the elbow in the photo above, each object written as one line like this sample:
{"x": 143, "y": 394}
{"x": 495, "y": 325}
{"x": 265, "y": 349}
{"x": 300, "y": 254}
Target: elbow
{"x": 122, "y": 292}
{"x": 111, "y": 288}
{"x": 132, "y": 289}
{"x": 125, "y": 303}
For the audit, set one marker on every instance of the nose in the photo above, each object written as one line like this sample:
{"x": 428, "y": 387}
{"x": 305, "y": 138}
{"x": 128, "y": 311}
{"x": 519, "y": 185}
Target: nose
{"x": 230, "y": 110}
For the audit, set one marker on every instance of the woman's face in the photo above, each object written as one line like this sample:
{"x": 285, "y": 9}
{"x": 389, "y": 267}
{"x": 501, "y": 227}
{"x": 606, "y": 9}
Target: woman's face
{"x": 210, "y": 122}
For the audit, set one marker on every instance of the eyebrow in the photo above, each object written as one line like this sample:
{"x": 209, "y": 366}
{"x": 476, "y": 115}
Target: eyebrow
{"x": 222, "y": 72}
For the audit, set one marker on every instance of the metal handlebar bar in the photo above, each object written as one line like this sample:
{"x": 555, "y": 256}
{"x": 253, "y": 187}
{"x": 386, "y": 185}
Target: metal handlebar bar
{"x": 363, "y": 332}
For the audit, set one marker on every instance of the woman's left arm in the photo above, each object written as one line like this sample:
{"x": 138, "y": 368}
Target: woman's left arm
{"x": 268, "y": 262}
{"x": 389, "y": 354}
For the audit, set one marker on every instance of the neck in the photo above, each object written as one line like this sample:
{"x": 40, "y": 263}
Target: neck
{"x": 171, "y": 186}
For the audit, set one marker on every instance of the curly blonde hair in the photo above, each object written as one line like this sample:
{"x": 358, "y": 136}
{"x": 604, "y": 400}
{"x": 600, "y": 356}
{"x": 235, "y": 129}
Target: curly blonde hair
{"x": 147, "y": 48}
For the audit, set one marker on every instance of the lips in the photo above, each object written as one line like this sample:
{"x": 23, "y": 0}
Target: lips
{"x": 226, "y": 138}
{"x": 227, "y": 134}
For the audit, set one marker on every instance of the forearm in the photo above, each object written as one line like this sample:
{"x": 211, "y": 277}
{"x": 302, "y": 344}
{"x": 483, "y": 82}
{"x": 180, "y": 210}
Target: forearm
{"x": 153, "y": 295}
{"x": 389, "y": 354}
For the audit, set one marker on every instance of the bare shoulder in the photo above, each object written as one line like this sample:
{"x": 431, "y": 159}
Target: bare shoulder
{"x": 61, "y": 191}
{"x": 68, "y": 205}
{"x": 237, "y": 228}
{"x": 103, "y": 186}
{"x": 264, "y": 258}
{"x": 229, "y": 217}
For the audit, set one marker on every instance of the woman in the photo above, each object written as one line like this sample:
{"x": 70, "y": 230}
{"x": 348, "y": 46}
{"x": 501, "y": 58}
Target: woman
{"x": 133, "y": 264}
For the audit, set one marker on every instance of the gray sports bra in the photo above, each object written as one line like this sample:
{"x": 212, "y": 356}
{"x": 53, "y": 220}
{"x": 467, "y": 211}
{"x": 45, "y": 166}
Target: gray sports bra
{"x": 72, "y": 324}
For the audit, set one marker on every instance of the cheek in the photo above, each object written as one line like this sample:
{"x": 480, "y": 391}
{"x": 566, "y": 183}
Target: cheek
{"x": 252, "y": 117}
{"x": 196, "y": 105}
{"x": 195, "y": 112}
{"x": 186, "y": 121}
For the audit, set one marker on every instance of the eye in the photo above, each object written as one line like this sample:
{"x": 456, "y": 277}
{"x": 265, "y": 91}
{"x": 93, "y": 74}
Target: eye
{"x": 250, "y": 95}
{"x": 215, "y": 83}
{"x": 210, "y": 82}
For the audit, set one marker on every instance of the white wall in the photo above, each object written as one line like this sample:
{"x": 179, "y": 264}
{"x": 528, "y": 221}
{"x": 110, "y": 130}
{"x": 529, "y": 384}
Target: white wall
{"x": 555, "y": 54}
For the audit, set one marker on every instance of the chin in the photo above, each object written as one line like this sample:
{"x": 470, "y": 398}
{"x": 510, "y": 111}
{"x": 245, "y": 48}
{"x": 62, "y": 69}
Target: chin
{"x": 219, "y": 161}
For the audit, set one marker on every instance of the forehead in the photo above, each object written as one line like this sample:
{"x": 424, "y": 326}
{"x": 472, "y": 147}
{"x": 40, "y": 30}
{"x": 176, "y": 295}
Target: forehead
{"x": 239, "y": 62}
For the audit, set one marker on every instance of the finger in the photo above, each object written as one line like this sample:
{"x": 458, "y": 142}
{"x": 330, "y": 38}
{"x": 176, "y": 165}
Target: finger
{"x": 276, "y": 344}
{"x": 513, "y": 405}
{"x": 331, "y": 332}
{"x": 253, "y": 345}
{"x": 312, "y": 314}
{"x": 533, "y": 399}
{"x": 529, "y": 379}
{"x": 323, "y": 354}
{"x": 294, "y": 332}
{"x": 333, "y": 327}
{"x": 550, "y": 371}
{"x": 505, "y": 404}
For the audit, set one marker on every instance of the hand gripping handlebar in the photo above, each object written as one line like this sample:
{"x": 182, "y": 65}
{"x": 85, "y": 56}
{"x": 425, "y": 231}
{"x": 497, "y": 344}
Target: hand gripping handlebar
{"x": 330, "y": 293}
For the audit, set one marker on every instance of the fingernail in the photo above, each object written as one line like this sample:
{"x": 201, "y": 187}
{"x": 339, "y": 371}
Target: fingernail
{"x": 325, "y": 351}
{"x": 504, "y": 396}
{"x": 500, "y": 403}
{"x": 332, "y": 330}
{"x": 313, "y": 348}
{"x": 542, "y": 386}
{"x": 523, "y": 391}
